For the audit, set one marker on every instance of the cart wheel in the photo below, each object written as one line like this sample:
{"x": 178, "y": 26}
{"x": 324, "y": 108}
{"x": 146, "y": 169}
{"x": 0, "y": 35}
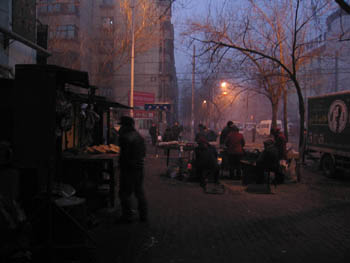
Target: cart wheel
{"x": 328, "y": 165}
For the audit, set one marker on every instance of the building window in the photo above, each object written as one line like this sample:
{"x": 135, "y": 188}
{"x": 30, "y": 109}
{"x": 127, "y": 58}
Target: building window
{"x": 107, "y": 23}
{"x": 108, "y": 2}
{"x": 72, "y": 6}
{"x": 106, "y": 68}
{"x": 49, "y": 6}
{"x": 106, "y": 91}
{"x": 64, "y": 32}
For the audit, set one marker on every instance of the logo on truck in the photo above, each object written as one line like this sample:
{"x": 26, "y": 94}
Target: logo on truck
{"x": 337, "y": 116}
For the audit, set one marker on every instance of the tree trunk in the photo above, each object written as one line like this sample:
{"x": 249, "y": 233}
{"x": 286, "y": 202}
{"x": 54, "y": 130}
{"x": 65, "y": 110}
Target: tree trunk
{"x": 301, "y": 114}
{"x": 274, "y": 105}
{"x": 285, "y": 115}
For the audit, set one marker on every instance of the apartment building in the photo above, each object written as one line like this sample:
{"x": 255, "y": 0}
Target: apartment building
{"x": 96, "y": 36}
{"x": 19, "y": 36}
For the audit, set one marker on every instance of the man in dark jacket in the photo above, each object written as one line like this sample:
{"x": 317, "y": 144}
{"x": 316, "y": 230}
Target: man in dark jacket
{"x": 201, "y": 134}
{"x": 153, "y": 132}
{"x": 235, "y": 142}
{"x": 176, "y": 131}
{"x": 131, "y": 162}
{"x": 224, "y": 132}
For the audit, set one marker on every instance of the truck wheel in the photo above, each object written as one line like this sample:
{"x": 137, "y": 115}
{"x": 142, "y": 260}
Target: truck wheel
{"x": 328, "y": 165}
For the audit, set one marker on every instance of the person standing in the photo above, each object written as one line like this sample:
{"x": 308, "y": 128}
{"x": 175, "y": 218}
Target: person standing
{"x": 201, "y": 134}
{"x": 131, "y": 163}
{"x": 153, "y": 132}
{"x": 235, "y": 143}
{"x": 176, "y": 131}
{"x": 253, "y": 133}
{"x": 225, "y": 132}
{"x": 281, "y": 145}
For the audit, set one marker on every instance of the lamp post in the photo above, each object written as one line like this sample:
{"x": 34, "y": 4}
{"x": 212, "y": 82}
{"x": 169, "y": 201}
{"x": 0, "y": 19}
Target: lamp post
{"x": 132, "y": 78}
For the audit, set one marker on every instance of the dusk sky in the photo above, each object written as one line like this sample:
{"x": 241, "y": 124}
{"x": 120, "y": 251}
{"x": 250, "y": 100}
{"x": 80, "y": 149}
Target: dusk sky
{"x": 183, "y": 10}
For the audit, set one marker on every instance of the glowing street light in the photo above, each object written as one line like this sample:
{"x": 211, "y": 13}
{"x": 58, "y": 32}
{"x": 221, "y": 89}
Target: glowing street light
{"x": 223, "y": 84}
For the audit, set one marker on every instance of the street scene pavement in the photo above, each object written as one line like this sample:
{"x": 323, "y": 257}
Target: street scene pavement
{"x": 298, "y": 222}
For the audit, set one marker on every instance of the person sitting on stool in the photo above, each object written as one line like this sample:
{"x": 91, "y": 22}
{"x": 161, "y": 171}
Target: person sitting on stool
{"x": 267, "y": 161}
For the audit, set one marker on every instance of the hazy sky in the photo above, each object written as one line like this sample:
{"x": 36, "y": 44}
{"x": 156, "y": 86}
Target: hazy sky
{"x": 182, "y": 11}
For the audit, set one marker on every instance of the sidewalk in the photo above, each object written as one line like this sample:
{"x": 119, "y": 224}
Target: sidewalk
{"x": 304, "y": 222}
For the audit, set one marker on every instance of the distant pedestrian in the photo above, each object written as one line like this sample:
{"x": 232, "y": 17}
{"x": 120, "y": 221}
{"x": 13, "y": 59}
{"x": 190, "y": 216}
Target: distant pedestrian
{"x": 176, "y": 131}
{"x": 168, "y": 135}
{"x": 235, "y": 143}
{"x": 201, "y": 134}
{"x": 131, "y": 163}
{"x": 211, "y": 135}
{"x": 153, "y": 132}
{"x": 253, "y": 133}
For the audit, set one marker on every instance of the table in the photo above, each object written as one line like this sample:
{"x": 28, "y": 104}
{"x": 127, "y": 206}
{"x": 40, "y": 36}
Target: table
{"x": 181, "y": 147}
{"x": 111, "y": 161}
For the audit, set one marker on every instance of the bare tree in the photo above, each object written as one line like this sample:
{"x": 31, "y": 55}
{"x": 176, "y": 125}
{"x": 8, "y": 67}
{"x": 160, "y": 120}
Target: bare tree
{"x": 343, "y": 5}
{"x": 276, "y": 32}
{"x": 106, "y": 46}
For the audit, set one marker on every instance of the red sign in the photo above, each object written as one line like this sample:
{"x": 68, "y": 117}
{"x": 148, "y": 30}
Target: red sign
{"x": 140, "y": 99}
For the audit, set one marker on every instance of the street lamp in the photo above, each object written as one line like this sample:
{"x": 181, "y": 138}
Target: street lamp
{"x": 132, "y": 78}
{"x": 223, "y": 84}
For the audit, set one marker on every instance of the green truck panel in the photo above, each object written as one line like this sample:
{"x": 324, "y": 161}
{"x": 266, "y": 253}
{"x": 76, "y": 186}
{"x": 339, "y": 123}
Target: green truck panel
{"x": 328, "y": 121}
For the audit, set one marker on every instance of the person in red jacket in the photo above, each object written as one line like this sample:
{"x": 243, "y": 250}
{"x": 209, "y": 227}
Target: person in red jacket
{"x": 235, "y": 143}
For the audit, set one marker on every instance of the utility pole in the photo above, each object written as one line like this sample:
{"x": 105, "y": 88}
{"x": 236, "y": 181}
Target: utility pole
{"x": 132, "y": 79}
{"x": 193, "y": 83}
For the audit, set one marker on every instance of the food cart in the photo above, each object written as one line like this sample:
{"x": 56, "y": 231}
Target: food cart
{"x": 184, "y": 153}
{"x": 51, "y": 122}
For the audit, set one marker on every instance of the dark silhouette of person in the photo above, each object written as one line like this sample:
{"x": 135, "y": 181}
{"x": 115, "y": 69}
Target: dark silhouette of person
{"x": 206, "y": 161}
{"x": 176, "y": 131}
{"x": 201, "y": 134}
{"x": 267, "y": 161}
{"x": 224, "y": 132}
{"x": 280, "y": 143}
{"x": 131, "y": 162}
{"x": 153, "y": 132}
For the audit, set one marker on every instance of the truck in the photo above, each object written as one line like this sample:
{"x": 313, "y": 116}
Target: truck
{"x": 328, "y": 131}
